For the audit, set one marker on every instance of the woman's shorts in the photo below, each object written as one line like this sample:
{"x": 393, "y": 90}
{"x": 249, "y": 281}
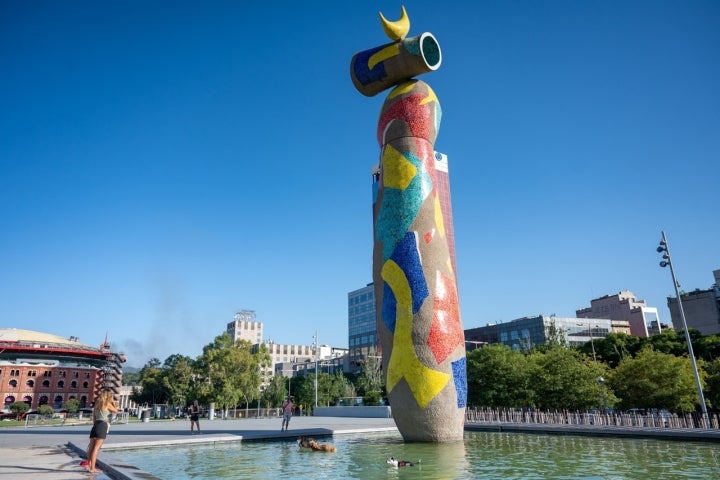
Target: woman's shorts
{"x": 100, "y": 430}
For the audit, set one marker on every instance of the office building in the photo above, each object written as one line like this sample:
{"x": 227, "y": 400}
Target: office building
{"x": 363, "y": 339}
{"x": 623, "y": 306}
{"x": 525, "y": 333}
{"x": 701, "y": 307}
{"x": 285, "y": 359}
{"x": 245, "y": 327}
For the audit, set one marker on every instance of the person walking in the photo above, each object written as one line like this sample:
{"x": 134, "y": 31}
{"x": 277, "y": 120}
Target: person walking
{"x": 287, "y": 410}
{"x": 104, "y": 406}
{"x": 194, "y": 416}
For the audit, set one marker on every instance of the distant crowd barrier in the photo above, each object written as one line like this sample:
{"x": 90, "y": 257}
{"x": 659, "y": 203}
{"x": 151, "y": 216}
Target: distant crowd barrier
{"x": 618, "y": 419}
{"x": 355, "y": 411}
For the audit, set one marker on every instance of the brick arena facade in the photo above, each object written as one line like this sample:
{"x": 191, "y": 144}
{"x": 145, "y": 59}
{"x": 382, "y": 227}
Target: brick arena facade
{"x": 44, "y": 369}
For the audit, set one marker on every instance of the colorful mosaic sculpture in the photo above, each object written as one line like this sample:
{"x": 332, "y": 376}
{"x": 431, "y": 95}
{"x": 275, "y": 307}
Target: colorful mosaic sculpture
{"x": 421, "y": 335}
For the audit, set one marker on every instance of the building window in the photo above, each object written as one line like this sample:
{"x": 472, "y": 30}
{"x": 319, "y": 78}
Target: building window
{"x": 30, "y": 383}
{"x": 46, "y": 383}
{"x": 73, "y": 384}
{"x": 47, "y": 373}
{"x": 13, "y": 383}
{"x": 32, "y": 373}
{"x": 61, "y": 384}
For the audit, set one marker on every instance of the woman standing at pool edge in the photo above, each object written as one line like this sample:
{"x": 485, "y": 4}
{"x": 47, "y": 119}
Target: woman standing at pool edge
{"x": 104, "y": 406}
{"x": 194, "y": 416}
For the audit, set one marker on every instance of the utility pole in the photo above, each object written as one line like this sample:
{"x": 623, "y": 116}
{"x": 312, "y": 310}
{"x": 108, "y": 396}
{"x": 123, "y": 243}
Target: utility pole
{"x": 316, "y": 353}
{"x": 667, "y": 261}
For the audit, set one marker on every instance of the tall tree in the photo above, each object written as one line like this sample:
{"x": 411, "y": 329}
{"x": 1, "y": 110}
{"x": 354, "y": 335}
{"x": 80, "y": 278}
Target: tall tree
{"x": 178, "y": 373}
{"x": 152, "y": 389}
{"x": 655, "y": 380}
{"x": 707, "y": 347}
{"x": 612, "y": 348}
{"x": 712, "y": 383}
{"x": 275, "y": 392}
{"x": 498, "y": 377}
{"x": 231, "y": 372}
{"x": 371, "y": 379}
{"x": 565, "y": 379}
{"x": 555, "y": 335}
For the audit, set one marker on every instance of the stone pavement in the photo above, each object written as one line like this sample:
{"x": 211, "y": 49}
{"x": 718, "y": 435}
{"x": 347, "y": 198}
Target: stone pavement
{"x": 43, "y": 461}
{"x": 55, "y": 453}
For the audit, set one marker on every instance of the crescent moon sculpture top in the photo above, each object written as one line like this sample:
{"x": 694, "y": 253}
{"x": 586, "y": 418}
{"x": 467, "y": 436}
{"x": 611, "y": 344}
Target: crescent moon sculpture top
{"x": 387, "y": 66}
{"x": 398, "y": 29}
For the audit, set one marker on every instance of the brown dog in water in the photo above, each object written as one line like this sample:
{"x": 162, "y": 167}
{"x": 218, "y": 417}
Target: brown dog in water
{"x": 307, "y": 442}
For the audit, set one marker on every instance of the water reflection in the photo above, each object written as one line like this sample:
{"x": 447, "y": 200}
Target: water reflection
{"x": 481, "y": 455}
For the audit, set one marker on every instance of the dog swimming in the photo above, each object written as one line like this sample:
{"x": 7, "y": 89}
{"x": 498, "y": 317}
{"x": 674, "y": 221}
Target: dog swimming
{"x": 307, "y": 442}
{"x": 400, "y": 463}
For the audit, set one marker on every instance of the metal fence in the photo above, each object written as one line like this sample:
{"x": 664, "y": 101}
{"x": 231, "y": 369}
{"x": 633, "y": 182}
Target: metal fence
{"x": 618, "y": 419}
{"x": 35, "y": 419}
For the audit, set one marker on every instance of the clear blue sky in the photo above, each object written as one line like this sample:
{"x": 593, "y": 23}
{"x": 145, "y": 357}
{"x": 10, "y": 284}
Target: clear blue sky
{"x": 165, "y": 164}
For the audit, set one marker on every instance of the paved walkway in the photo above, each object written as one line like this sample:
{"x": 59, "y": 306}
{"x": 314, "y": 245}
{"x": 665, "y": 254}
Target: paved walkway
{"x": 55, "y": 453}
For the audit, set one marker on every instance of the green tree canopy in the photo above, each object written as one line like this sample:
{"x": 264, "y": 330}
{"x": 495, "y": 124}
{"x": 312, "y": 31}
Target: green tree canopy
{"x": 498, "y": 377}
{"x": 565, "y": 379}
{"x": 231, "y": 372}
{"x": 612, "y": 348}
{"x": 152, "y": 389}
{"x": 275, "y": 392}
{"x": 655, "y": 380}
{"x": 177, "y": 379}
{"x": 371, "y": 379}
{"x": 45, "y": 410}
{"x": 72, "y": 405}
{"x": 19, "y": 408}
{"x": 712, "y": 383}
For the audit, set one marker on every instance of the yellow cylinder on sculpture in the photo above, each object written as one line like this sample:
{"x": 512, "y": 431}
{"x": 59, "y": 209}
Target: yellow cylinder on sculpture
{"x": 421, "y": 335}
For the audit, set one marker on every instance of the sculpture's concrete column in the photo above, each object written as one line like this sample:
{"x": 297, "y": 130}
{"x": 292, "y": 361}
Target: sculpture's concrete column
{"x": 421, "y": 335}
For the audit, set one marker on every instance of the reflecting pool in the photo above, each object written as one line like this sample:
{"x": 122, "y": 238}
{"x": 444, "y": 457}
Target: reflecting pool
{"x": 482, "y": 455}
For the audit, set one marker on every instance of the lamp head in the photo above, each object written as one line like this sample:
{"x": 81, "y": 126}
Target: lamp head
{"x": 664, "y": 264}
{"x": 660, "y": 249}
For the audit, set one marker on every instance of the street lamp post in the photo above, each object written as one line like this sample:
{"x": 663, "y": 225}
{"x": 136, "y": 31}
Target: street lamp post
{"x": 664, "y": 248}
{"x": 292, "y": 370}
{"x": 315, "y": 351}
{"x": 592, "y": 342}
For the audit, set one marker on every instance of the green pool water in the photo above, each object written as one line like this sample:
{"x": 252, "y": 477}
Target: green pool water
{"x": 481, "y": 455}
